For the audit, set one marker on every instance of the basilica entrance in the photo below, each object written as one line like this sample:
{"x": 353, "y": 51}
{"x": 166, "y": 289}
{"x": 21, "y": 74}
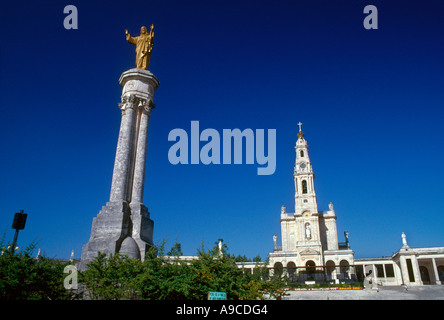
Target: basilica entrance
{"x": 310, "y": 268}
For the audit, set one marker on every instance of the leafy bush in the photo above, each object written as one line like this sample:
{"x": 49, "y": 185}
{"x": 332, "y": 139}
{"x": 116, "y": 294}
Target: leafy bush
{"x": 156, "y": 278}
{"x": 117, "y": 277}
{"x": 25, "y": 278}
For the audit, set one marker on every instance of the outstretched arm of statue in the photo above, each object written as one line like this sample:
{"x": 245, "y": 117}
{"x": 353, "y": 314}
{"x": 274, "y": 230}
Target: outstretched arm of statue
{"x": 129, "y": 38}
{"x": 151, "y": 43}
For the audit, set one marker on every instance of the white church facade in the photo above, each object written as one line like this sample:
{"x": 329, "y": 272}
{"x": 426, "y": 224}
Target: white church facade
{"x": 309, "y": 236}
{"x": 310, "y": 251}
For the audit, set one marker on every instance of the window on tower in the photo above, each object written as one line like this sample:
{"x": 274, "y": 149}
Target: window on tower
{"x": 304, "y": 186}
{"x": 302, "y": 153}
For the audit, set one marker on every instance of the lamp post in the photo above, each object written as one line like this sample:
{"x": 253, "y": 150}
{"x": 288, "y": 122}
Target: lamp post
{"x": 18, "y": 224}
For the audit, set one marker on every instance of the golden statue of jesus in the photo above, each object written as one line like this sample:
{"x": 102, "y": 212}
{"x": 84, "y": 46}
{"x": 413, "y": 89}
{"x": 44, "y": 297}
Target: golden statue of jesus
{"x": 144, "y": 46}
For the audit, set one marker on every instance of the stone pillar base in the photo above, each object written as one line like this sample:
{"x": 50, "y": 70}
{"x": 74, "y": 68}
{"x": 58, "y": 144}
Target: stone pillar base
{"x": 142, "y": 231}
{"x": 119, "y": 228}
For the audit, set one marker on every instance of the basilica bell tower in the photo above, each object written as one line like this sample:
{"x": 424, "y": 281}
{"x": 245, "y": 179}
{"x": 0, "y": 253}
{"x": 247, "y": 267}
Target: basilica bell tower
{"x": 309, "y": 236}
{"x": 305, "y": 195}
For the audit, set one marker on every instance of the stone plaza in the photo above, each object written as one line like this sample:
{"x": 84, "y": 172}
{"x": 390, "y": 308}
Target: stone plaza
{"x": 432, "y": 292}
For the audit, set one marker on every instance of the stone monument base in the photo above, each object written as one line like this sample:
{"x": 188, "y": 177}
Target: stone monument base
{"x": 119, "y": 228}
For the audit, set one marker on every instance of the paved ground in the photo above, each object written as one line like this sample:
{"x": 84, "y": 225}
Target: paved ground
{"x": 430, "y": 292}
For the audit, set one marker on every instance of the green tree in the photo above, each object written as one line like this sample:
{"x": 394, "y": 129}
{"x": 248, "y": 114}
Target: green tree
{"x": 176, "y": 250}
{"x": 215, "y": 272}
{"x": 111, "y": 278}
{"x": 161, "y": 279}
{"x": 23, "y": 277}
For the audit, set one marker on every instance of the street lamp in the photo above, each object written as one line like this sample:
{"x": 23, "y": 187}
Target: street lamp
{"x": 18, "y": 224}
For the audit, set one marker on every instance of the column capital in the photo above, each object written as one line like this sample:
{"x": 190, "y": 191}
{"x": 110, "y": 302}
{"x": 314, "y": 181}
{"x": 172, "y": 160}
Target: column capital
{"x": 147, "y": 106}
{"x": 129, "y": 101}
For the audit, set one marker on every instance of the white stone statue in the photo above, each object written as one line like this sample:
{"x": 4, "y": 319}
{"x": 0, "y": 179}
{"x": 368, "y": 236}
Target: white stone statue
{"x": 404, "y": 240}
{"x": 330, "y": 206}
{"x": 282, "y": 209}
{"x": 275, "y": 241}
{"x": 219, "y": 245}
{"x": 307, "y": 231}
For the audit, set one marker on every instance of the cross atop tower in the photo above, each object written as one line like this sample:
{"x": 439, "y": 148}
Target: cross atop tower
{"x": 300, "y": 126}
{"x": 300, "y": 133}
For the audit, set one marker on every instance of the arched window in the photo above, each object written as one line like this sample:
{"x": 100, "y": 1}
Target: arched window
{"x": 344, "y": 264}
{"x": 310, "y": 268}
{"x": 344, "y": 268}
{"x": 441, "y": 273}
{"x": 330, "y": 267}
{"x": 278, "y": 268}
{"x": 291, "y": 268}
{"x": 304, "y": 186}
{"x": 302, "y": 153}
{"x": 424, "y": 274}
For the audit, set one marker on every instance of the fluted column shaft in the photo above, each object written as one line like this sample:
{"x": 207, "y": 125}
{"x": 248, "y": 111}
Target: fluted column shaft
{"x": 122, "y": 163}
{"x": 140, "y": 157}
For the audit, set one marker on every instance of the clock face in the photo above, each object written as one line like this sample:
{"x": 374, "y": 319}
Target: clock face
{"x": 302, "y": 166}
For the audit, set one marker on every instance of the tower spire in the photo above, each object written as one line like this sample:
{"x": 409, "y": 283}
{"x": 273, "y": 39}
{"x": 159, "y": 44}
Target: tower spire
{"x": 300, "y": 133}
{"x": 305, "y": 195}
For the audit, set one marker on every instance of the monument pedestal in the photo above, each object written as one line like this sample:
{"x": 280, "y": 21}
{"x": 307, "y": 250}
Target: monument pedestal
{"x": 143, "y": 226}
{"x": 124, "y": 225}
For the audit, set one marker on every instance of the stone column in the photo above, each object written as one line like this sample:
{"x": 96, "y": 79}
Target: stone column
{"x": 416, "y": 272}
{"x": 140, "y": 161}
{"x": 124, "y": 225}
{"x": 404, "y": 270}
{"x": 143, "y": 226}
{"x": 122, "y": 163}
{"x": 142, "y": 84}
{"x": 435, "y": 271}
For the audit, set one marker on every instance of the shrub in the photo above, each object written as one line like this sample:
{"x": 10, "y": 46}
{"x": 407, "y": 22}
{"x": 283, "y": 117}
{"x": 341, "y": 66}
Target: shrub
{"x": 23, "y": 277}
{"x": 117, "y": 277}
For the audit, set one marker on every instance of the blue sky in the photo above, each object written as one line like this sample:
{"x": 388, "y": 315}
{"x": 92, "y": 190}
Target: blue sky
{"x": 371, "y": 102}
